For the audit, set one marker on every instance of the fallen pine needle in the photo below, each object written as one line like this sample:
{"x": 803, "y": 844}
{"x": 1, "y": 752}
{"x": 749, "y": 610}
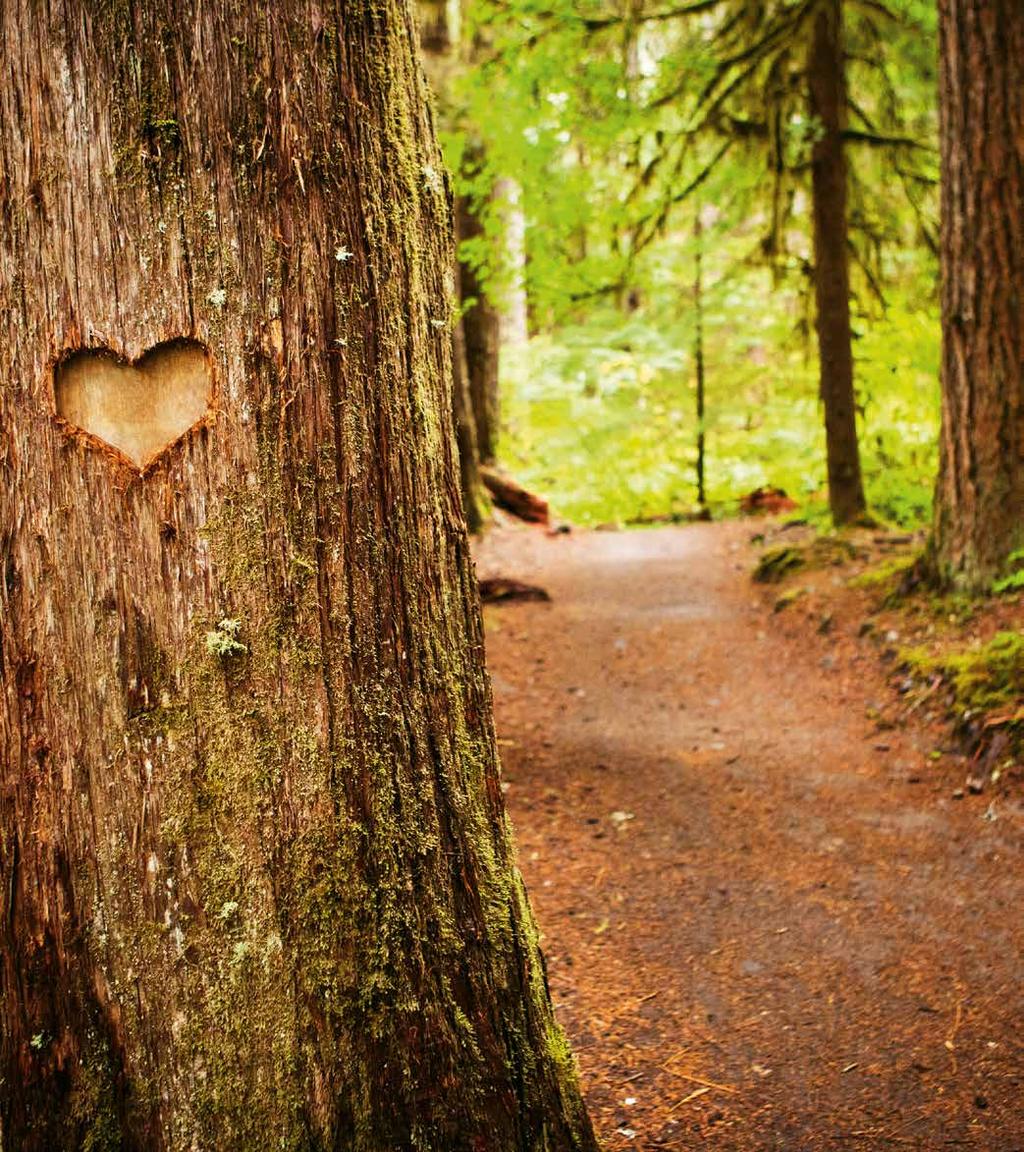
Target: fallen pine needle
{"x": 686, "y": 1099}
{"x": 700, "y": 1080}
{"x": 957, "y": 1018}
{"x": 894, "y": 1133}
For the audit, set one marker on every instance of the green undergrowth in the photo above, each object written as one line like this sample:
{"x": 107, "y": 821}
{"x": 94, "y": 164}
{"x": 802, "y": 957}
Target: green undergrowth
{"x": 601, "y": 416}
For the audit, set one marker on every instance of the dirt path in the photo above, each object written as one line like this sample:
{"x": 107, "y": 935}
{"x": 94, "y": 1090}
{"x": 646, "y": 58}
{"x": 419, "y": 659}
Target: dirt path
{"x": 765, "y": 929}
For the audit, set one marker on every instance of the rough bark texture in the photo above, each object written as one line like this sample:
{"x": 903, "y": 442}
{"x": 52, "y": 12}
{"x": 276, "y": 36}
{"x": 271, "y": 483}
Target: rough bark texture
{"x": 481, "y": 323}
{"x": 979, "y": 506}
{"x": 256, "y": 880}
{"x": 827, "y": 89}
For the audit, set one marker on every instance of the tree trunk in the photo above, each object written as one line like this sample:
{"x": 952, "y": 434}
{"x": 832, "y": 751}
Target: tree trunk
{"x": 440, "y": 46}
{"x": 827, "y": 89}
{"x": 256, "y": 879}
{"x": 979, "y": 503}
{"x": 464, "y": 414}
{"x": 515, "y": 328}
{"x": 477, "y": 338}
{"x": 481, "y": 323}
{"x": 698, "y": 346}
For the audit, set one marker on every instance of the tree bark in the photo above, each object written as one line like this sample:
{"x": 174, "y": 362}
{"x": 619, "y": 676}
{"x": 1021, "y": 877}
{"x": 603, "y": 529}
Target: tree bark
{"x": 827, "y": 90}
{"x": 481, "y": 323}
{"x": 979, "y": 502}
{"x": 256, "y": 879}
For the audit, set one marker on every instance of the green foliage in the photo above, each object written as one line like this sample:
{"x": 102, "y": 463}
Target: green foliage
{"x": 897, "y": 378}
{"x": 619, "y": 124}
{"x": 601, "y": 416}
{"x": 660, "y": 105}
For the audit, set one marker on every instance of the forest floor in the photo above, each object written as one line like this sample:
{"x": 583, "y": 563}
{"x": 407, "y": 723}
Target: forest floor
{"x": 772, "y": 919}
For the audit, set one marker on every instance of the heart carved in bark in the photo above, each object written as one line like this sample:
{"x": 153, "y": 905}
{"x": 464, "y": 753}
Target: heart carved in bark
{"x": 140, "y": 409}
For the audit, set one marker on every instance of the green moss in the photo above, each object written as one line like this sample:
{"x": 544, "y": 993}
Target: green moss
{"x": 789, "y": 598}
{"x": 1013, "y": 580}
{"x": 777, "y": 563}
{"x": 223, "y": 640}
{"x": 92, "y": 1113}
{"x": 826, "y": 551}
{"x": 987, "y": 678}
{"x": 886, "y": 575}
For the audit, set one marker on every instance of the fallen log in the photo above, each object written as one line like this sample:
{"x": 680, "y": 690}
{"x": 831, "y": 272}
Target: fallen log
{"x": 515, "y": 498}
{"x": 500, "y": 588}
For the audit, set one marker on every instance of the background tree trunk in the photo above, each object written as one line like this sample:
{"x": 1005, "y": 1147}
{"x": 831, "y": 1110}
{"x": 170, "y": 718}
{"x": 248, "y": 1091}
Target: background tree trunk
{"x": 514, "y": 309}
{"x": 827, "y": 88}
{"x": 464, "y": 413}
{"x": 698, "y": 349}
{"x": 439, "y": 40}
{"x": 481, "y": 323}
{"x": 979, "y": 502}
{"x": 256, "y": 879}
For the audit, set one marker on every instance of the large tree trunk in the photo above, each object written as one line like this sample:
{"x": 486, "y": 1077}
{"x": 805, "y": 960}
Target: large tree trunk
{"x": 256, "y": 879}
{"x": 827, "y": 88}
{"x": 481, "y": 323}
{"x": 979, "y": 505}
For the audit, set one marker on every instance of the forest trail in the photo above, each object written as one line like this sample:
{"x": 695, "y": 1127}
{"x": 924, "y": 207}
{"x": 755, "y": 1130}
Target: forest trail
{"x": 767, "y": 926}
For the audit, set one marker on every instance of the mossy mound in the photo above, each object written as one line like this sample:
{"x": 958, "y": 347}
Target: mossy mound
{"x": 822, "y": 552}
{"x": 986, "y": 679}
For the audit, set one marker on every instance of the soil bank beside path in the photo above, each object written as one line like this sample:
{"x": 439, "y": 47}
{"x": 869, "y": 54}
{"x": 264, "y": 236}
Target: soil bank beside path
{"x": 766, "y": 928}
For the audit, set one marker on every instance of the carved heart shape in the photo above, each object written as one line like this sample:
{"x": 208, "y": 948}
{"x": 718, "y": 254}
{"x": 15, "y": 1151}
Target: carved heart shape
{"x": 140, "y": 409}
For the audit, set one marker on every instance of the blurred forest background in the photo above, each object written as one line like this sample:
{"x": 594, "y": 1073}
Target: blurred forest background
{"x": 637, "y": 207}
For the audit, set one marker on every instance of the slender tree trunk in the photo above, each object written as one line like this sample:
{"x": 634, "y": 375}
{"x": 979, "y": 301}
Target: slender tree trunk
{"x": 979, "y": 502}
{"x": 470, "y": 480}
{"x": 698, "y": 346}
{"x": 630, "y": 297}
{"x": 481, "y": 323}
{"x": 256, "y": 880}
{"x": 515, "y": 328}
{"x": 464, "y": 412}
{"x": 827, "y": 87}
